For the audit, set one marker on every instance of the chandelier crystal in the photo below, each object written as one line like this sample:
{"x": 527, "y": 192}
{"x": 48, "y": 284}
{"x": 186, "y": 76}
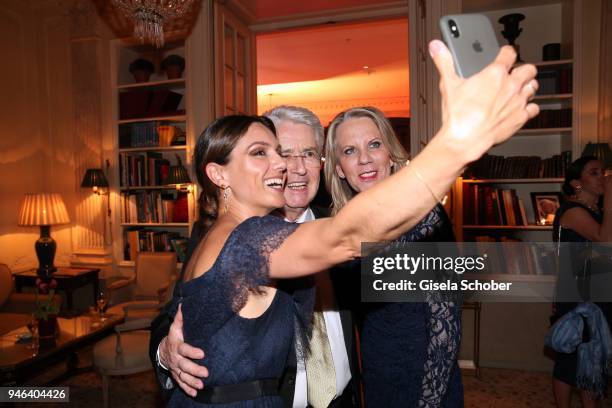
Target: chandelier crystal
{"x": 149, "y": 16}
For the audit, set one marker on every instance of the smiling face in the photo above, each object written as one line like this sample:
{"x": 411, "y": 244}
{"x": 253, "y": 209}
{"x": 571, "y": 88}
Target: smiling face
{"x": 303, "y": 175}
{"x": 363, "y": 158}
{"x": 255, "y": 173}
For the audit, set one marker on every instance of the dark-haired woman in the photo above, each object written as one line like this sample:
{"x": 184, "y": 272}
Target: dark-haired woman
{"x": 580, "y": 219}
{"x": 230, "y": 306}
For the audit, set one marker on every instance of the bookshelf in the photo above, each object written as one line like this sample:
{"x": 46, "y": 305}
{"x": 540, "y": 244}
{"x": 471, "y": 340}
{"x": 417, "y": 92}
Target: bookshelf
{"x": 532, "y": 161}
{"x": 151, "y": 126}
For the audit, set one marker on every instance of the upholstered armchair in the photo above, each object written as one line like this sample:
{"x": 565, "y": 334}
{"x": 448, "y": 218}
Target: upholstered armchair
{"x": 15, "y": 308}
{"x": 150, "y": 287}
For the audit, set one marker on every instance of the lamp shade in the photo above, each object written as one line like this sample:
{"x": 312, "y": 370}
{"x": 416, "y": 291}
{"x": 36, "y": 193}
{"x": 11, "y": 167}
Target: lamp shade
{"x": 94, "y": 178}
{"x": 43, "y": 209}
{"x": 178, "y": 175}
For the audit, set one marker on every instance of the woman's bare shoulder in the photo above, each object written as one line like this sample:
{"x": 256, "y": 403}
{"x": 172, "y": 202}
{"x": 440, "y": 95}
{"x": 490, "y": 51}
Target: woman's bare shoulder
{"x": 209, "y": 248}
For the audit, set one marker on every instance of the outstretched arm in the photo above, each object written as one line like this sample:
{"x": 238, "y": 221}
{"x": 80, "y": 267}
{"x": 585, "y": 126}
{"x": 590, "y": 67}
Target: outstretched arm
{"x": 477, "y": 113}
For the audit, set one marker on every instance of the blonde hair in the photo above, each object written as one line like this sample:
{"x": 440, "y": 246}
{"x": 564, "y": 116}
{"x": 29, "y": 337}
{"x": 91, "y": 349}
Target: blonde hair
{"x": 340, "y": 190}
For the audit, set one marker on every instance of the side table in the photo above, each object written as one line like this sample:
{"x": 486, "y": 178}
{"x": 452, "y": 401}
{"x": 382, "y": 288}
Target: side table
{"x": 68, "y": 279}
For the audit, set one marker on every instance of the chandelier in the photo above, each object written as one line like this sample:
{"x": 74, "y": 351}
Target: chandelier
{"x": 149, "y": 16}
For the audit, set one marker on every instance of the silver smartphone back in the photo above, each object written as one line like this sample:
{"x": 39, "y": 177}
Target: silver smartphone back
{"x": 471, "y": 40}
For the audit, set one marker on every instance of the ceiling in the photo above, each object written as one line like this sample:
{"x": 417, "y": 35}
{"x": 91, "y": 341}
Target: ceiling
{"x": 326, "y": 65}
{"x": 270, "y": 9}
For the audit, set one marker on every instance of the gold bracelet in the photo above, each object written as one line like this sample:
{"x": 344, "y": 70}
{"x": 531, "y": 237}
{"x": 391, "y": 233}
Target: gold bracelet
{"x": 422, "y": 180}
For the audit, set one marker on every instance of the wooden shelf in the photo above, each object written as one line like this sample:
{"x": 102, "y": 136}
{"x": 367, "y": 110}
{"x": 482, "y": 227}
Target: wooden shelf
{"x": 168, "y": 83}
{"x": 553, "y": 97}
{"x": 156, "y": 225}
{"x": 169, "y": 118}
{"x": 543, "y": 131}
{"x": 153, "y": 149}
{"x": 510, "y": 227}
{"x": 514, "y": 181}
{"x": 553, "y": 63}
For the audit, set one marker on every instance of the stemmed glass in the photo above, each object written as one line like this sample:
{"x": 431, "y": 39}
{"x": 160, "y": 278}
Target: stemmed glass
{"x": 33, "y": 328}
{"x": 101, "y": 303}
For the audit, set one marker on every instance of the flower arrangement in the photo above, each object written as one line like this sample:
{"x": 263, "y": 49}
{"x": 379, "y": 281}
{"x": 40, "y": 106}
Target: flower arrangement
{"x": 45, "y": 305}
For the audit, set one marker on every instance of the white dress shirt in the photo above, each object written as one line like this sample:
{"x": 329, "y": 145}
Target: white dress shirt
{"x": 335, "y": 335}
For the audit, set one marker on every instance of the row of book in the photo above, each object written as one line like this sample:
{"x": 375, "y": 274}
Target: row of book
{"x": 137, "y": 170}
{"x": 487, "y": 205}
{"x": 554, "y": 80}
{"x": 515, "y": 167}
{"x": 150, "y": 134}
{"x": 514, "y": 257}
{"x": 551, "y": 118}
{"x": 154, "y": 207}
{"x": 145, "y": 240}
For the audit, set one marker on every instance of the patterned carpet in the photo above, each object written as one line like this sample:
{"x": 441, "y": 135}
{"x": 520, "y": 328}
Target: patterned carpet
{"x": 496, "y": 388}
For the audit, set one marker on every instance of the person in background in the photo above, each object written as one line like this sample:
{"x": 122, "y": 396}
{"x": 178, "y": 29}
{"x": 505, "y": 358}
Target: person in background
{"x": 580, "y": 219}
{"x": 409, "y": 350}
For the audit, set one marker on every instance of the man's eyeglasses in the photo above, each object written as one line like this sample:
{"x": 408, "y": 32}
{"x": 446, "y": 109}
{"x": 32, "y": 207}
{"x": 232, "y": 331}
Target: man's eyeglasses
{"x": 310, "y": 157}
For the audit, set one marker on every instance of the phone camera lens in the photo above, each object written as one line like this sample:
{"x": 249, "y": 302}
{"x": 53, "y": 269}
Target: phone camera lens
{"x": 453, "y": 28}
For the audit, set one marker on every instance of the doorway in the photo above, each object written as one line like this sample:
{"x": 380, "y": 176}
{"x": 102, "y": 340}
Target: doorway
{"x": 334, "y": 67}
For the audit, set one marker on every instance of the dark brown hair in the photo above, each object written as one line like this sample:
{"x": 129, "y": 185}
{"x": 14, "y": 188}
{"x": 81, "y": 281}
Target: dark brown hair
{"x": 215, "y": 145}
{"x": 574, "y": 172}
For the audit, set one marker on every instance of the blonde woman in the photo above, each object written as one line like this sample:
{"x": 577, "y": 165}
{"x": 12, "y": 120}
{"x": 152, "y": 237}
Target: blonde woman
{"x": 409, "y": 350}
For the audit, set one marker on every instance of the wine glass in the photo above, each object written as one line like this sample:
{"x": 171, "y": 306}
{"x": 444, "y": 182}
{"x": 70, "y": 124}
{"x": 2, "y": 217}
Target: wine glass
{"x": 101, "y": 303}
{"x": 33, "y": 328}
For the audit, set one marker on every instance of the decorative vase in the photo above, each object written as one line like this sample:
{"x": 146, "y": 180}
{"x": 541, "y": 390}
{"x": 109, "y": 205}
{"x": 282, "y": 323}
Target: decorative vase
{"x": 47, "y": 328}
{"x": 174, "y": 72}
{"x": 141, "y": 69}
{"x": 174, "y": 66}
{"x": 141, "y": 76}
{"x": 512, "y": 30}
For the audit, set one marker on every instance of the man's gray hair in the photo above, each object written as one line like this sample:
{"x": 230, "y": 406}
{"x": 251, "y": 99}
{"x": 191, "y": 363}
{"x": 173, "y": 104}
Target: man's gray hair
{"x": 299, "y": 115}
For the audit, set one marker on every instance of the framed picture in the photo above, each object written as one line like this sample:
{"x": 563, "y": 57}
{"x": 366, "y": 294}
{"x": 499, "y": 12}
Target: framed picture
{"x": 545, "y": 206}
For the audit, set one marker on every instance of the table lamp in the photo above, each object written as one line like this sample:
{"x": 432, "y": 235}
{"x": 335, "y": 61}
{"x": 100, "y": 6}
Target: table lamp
{"x": 44, "y": 210}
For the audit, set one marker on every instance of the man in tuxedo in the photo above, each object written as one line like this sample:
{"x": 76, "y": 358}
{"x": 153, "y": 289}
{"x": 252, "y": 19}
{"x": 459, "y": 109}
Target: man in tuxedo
{"x": 330, "y": 375}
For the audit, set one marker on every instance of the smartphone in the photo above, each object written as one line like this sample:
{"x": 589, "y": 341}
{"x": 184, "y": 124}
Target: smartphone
{"x": 471, "y": 40}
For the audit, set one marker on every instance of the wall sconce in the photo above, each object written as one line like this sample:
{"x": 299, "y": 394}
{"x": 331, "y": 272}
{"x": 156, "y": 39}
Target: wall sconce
{"x": 177, "y": 175}
{"x": 95, "y": 179}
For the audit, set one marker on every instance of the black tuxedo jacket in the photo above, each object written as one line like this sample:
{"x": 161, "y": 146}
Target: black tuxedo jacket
{"x": 346, "y": 290}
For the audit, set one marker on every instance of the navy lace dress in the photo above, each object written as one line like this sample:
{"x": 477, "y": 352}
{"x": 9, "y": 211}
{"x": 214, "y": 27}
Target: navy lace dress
{"x": 238, "y": 349}
{"x": 410, "y": 350}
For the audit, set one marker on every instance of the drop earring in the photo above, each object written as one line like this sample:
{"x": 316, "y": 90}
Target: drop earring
{"x": 225, "y": 199}
{"x": 578, "y": 189}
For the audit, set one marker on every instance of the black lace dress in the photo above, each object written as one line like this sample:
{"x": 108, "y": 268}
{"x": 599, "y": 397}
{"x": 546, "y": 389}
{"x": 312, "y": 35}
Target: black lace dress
{"x": 241, "y": 350}
{"x": 410, "y": 350}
